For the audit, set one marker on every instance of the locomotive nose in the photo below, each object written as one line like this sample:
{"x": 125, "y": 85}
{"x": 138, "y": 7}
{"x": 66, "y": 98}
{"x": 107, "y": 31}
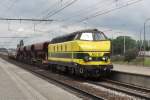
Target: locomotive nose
{"x": 94, "y": 45}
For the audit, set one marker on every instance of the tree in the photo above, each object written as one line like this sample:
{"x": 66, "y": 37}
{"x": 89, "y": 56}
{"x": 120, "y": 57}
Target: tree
{"x": 21, "y": 43}
{"x": 118, "y": 44}
{"x": 130, "y": 55}
{"x": 140, "y": 45}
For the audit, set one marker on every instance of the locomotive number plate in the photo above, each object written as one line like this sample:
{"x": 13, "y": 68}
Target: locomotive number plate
{"x": 96, "y": 54}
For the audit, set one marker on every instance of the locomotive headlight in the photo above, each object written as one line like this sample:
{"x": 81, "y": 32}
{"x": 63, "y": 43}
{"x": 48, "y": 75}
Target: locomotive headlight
{"x": 87, "y": 58}
{"x": 105, "y": 58}
{"x": 90, "y": 58}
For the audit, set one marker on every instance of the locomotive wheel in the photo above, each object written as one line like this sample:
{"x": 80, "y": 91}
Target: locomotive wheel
{"x": 72, "y": 71}
{"x": 81, "y": 70}
{"x": 53, "y": 67}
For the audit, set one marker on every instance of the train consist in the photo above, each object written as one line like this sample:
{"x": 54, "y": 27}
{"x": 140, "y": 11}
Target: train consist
{"x": 85, "y": 53}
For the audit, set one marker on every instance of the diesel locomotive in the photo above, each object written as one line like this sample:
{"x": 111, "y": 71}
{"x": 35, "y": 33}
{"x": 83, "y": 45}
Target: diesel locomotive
{"x": 85, "y": 52}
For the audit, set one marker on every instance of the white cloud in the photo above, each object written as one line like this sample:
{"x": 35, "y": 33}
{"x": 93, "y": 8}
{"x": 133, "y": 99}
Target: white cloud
{"x": 128, "y": 20}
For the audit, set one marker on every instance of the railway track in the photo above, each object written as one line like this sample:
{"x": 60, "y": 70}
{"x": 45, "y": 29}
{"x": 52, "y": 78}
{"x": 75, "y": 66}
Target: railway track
{"x": 74, "y": 88}
{"x": 85, "y": 91}
{"x": 129, "y": 89}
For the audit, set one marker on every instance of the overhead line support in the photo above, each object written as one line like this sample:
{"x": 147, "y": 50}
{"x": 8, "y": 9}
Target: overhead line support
{"x": 25, "y": 19}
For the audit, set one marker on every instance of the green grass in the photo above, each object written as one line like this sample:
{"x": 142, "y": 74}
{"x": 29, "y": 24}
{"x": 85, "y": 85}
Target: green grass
{"x": 137, "y": 61}
{"x": 147, "y": 61}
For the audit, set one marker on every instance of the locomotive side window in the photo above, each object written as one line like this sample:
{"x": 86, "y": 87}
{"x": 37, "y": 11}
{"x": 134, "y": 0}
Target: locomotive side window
{"x": 65, "y": 47}
{"x": 61, "y": 47}
{"x": 57, "y": 47}
{"x": 53, "y": 48}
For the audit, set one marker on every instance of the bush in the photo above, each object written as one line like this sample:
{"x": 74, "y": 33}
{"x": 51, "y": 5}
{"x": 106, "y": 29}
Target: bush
{"x": 130, "y": 55}
{"x": 117, "y": 58}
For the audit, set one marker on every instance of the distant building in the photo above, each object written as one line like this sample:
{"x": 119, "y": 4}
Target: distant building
{"x": 147, "y": 53}
{"x": 3, "y": 50}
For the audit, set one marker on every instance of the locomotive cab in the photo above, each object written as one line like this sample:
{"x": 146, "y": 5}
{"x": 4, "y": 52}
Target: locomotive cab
{"x": 93, "y": 51}
{"x": 97, "y": 42}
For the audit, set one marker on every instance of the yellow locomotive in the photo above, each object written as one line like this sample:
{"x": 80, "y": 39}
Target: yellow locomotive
{"x": 85, "y": 52}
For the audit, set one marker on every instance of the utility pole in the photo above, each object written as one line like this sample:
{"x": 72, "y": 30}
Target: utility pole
{"x": 124, "y": 51}
{"x": 144, "y": 42}
{"x": 148, "y": 43}
{"x": 140, "y": 43}
{"x": 112, "y": 48}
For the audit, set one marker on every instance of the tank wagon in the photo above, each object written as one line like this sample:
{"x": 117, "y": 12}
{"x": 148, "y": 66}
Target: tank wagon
{"x": 85, "y": 52}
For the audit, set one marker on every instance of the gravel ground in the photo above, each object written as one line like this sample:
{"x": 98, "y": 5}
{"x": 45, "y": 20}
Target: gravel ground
{"x": 114, "y": 93}
{"x": 132, "y": 69}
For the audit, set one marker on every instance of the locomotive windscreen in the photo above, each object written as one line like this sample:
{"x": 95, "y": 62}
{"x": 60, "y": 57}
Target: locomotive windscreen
{"x": 92, "y": 36}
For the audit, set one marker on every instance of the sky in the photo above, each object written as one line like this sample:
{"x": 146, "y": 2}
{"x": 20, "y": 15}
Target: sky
{"x": 113, "y": 17}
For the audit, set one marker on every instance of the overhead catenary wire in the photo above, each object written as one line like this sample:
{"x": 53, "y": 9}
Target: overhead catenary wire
{"x": 8, "y": 5}
{"x": 110, "y": 10}
{"x": 107, "y": 11}
{"x": 13, "y": 37}
{"x": 3, "y": 4}
{"x": 69, "y": 4}
{"x": 54, "y": 7}
{"x": 93, "y": 16}
{"x": 65, "y": 7}
{"x": 59, "y": 10}
{"x": 49, "y": 8}
{"x": 25, "y": 19}
{"x": 52, "y": 13}
{"x": 11, "y": 5}
{"x": 48, "y": 31}
{"x": 102, "y": 12}
{"x": 19, "y": 19}
{"x": 89, "y": 9}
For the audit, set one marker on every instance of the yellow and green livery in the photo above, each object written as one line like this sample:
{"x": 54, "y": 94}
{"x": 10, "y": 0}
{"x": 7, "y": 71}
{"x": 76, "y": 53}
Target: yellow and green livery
{"x": 85, "y": 52}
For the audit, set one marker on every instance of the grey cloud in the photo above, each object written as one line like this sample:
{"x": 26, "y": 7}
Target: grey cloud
{"x": 126, "y": 19}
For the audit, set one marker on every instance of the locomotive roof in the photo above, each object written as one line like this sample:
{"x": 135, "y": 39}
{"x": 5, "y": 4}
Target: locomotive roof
{"x": 87, "y": 30}
{"x": 57, "y": 39}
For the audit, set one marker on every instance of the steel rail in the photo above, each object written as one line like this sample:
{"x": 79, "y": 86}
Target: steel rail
{"x": 124, "y": 88}
{"x": 93, "y": 96}
{"x": 147, "y": 90}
